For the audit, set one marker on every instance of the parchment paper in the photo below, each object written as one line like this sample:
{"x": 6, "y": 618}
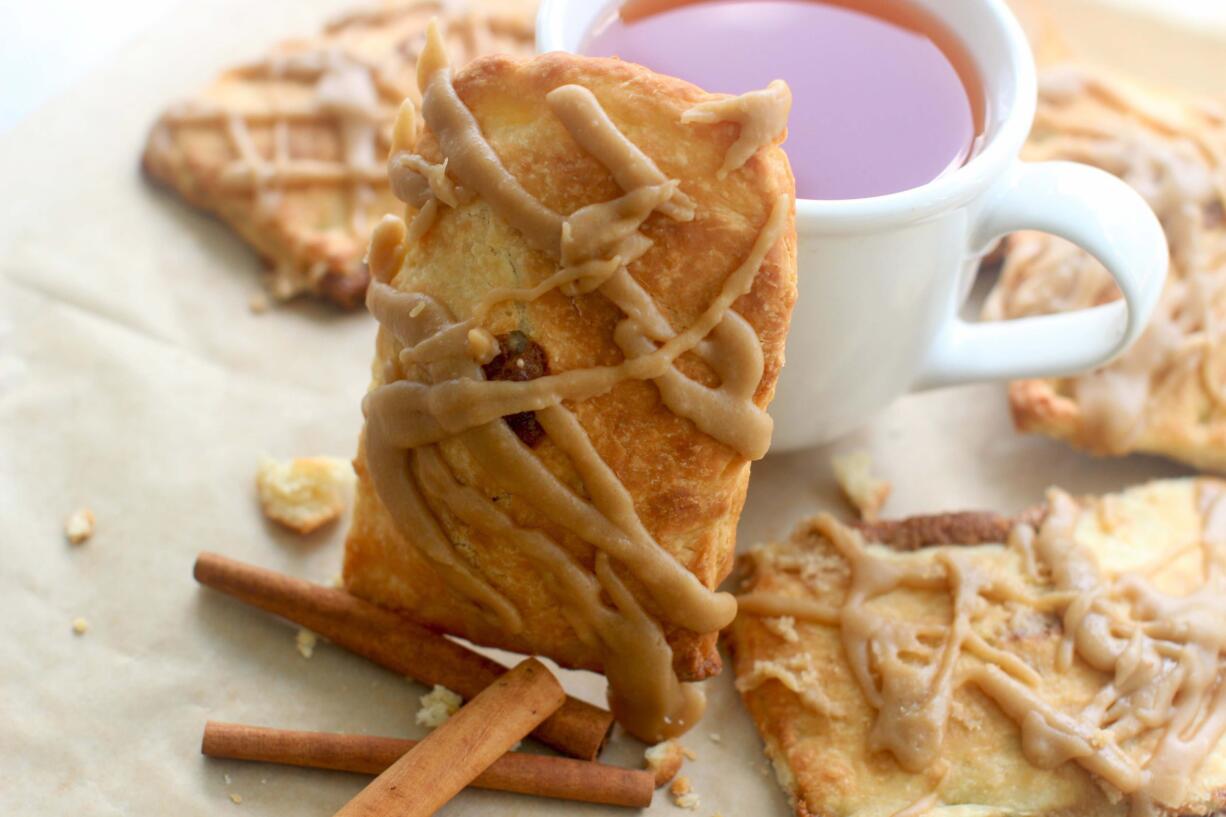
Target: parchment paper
{"x": 134, "y": 380}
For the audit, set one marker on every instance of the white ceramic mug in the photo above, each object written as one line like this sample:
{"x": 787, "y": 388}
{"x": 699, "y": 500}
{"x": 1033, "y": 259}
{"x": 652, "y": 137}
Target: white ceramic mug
{"x": 882, "y": 279}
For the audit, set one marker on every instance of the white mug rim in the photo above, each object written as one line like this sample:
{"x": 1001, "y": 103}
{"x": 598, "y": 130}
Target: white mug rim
{"x": 818, "y": 216}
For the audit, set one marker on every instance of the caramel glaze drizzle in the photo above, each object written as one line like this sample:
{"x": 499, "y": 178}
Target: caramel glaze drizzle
{"x": 1162, "y": 656}
{"x": 435, "y": 391}
{"x": 762, "y": 115}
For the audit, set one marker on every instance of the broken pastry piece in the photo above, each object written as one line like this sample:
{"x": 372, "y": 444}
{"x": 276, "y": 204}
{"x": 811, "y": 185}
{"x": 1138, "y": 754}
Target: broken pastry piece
{"x": 854, "y": 474}
{"x": 306, "y": 493}
{"x": 569, "y": 483}
{"x": 290, "y": 150}
{"x": 1076, "y": 667}
{"x": 1166, "y": 395}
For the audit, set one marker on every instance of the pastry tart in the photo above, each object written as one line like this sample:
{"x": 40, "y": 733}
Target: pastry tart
{"x": 1068, "y": 662}
{"x": 289, "y": 150}
{"x": 1166, "y": 394}
{"x": 582, "y": 319}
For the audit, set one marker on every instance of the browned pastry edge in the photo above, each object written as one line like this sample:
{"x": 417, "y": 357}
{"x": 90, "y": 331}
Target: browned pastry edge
{"x": 343, "y": 286}
{"x": 1037, "y": 407}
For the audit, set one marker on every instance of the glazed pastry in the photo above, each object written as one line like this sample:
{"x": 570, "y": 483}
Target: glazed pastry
{"x": 290, "y": 150}
{"x": 580, "y": 329}
{"x": 1072, "y": 667}
{"x": 1166, "y": 395}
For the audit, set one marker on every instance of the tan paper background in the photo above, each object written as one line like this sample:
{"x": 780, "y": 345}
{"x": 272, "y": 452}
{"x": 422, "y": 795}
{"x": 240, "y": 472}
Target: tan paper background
{"x": 133, "y": 379}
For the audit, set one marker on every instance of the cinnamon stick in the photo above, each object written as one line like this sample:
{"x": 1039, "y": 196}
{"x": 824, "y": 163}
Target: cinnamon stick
{"x": 558, "y": 777}
{"x": 577, "y": 729}
{"x": 468, "y": 743}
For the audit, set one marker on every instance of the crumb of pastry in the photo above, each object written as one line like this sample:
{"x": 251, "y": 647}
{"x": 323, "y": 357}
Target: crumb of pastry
{"x": 664, "y": 760}
{"x": 306, "y": 493}
{"x": 80, "y": 626}
{"x": 690, "y": 754}
{"x": 714, "y": 737}
{"x": 236, "y": 798}
{"x": 79, "y": 526}
{"x": 305, "y": 642}
{"x": 784, "y": 627}
{"x": 437, "y": 706}
{"x": 258, "y": 303}
{"x": 683, "y": 794}
{"x": 854, "y": 474}
{"x": 226, "y": 777}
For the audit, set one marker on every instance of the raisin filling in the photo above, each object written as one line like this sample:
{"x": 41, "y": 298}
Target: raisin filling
{"x": 519, "y": 358}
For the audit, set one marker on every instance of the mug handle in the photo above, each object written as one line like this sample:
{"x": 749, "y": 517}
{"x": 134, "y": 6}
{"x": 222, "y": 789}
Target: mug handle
{"x": 1094, "y": 210}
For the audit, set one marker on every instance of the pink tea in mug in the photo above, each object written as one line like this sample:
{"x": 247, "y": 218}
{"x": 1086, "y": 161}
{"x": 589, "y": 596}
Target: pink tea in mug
{"x": 883, "y": 96}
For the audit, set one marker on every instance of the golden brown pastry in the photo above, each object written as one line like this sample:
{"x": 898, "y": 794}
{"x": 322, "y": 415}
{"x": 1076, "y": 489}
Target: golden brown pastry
{"x": 581, "y": 327}
{"x": 290, "y": 150}
{"x": 1165, "y": 395}
{"x": 1074, "y": 668}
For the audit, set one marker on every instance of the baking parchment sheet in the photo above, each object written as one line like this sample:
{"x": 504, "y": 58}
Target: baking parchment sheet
{"x": 134, "y": 380}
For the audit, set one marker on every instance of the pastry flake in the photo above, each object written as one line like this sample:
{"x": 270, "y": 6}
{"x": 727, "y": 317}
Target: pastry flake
{"x": 1165, "y": 395}
{"x": 290, "y": 150}
{"x": 949, "y": 681}
{"x": 866, "y": 492}
{"x": 79, "y": 526}
{"x": 304, "y": 494}
{"x": 577, "y": 494}
{"x": 305, "y": 641}
{"x": 437, "y": 706}
{"x": 664, "y": 761}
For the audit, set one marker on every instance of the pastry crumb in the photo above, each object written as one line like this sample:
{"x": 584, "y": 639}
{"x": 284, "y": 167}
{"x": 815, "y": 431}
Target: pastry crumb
{"x": 714, "y": 737}
{"x": 236, "y": 798}
{"x": 258, "y": 303}
{"x": 305, "y": 641}
{"x": 437, "y": 706}
{"x": 80, "y": 626}
{"x": 482, "y": 346}
{"x": 854, "y": 474}
{"x": 784, "y": 627}
{"x": 690, "y": 754}
{"x": 306, "y": 493}
{"x": 664, "y": 760}
{"x": 79, "y": 526}
{"x": 226, "y": 777}
{"x": 683, "y": 794}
